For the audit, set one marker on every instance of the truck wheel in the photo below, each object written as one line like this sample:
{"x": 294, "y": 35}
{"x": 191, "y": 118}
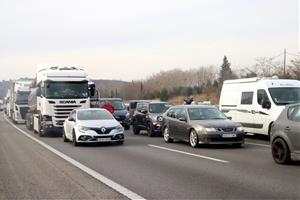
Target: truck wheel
{"x": 28, "y": 123}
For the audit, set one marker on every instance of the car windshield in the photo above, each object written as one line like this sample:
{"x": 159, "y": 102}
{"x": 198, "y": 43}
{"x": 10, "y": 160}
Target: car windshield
{"x": 284, "y": 96}
{"x": 117, "y": 104}
{"x": 159, "y": 107}
{"x": 94, "y": 115}
{"x": 66, "y": 90}
{"x": 22, "y": 97}
{"x": 205, "y": 114}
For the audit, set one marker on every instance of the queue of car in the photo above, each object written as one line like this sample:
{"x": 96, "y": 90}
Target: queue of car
{"x": 255, "y": 105}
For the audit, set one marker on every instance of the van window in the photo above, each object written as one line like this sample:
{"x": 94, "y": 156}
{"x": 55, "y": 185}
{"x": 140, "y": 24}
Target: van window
{"x": 247, "y": 98}
{"x": 261, "y": 95}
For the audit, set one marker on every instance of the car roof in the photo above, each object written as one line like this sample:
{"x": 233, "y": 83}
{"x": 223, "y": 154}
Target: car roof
{"x": 110, "y": 99}
{"x": 132, "y": 101}
{"x": 86, "y": 109}
{"x": 194, "y": 106}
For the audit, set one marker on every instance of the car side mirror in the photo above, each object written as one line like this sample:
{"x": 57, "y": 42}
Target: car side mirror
{"x": 182, "y": 119}
{"x": 266, "y": 104}
{"x": 71, "y": 119}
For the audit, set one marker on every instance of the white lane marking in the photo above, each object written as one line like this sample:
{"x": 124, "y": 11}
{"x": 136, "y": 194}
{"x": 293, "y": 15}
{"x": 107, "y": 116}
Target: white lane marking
{"x": 256, "y": 144}
{"x": 190, "y": 154}
{"x": 124, "y": 191}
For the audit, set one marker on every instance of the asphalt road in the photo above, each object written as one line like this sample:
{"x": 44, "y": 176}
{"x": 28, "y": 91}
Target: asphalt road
{"x": 29, "y": 171}
{"x": 146, "y": 166}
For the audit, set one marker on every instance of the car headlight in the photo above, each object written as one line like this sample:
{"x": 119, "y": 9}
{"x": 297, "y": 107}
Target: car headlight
{"x": 240, "y": 129}
{"x": 127, "y": 115}
{"x": 83, "y": 128}
{"x": 120, "y": 128}
{"x": 210, "y": 129}
{"x": 160, "y": 118}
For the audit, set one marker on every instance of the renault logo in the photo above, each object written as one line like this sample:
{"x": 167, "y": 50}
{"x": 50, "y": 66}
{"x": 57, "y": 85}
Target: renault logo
{"x": 103, "y": 130}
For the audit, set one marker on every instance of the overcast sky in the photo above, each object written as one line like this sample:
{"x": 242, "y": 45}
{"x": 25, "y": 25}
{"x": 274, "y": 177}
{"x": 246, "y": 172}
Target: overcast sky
{"x": 132, "y": 39}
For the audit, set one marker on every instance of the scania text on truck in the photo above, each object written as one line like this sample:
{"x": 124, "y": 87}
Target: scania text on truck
{"x": 257, "y": 102}
{"x": 58, "y": 89}
{"x": 18, "y": 100}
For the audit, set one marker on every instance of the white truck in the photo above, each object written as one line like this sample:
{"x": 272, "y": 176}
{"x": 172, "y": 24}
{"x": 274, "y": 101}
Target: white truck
{"x": 18, "y": 100}
{"x": 257, "y": 102}
{"x": 57, "y": 90}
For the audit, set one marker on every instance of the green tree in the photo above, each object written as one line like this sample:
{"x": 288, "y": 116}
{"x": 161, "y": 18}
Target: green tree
{"x": 164, "y": 95}
{"x": 225, "y": 71}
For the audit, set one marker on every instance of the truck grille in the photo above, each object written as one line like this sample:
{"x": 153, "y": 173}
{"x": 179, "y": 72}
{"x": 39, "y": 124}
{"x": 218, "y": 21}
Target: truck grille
{"x": 62, "y": 112}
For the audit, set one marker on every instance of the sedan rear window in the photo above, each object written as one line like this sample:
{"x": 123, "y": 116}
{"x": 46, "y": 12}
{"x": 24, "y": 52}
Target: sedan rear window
{"x": 205, "y": 114}
{"x": 94, "y": 115}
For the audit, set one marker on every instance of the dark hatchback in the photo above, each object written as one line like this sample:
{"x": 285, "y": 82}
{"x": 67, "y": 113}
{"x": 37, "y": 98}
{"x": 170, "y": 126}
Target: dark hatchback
{"x": 201, "y": 124}
{"x": 121, "y": 113}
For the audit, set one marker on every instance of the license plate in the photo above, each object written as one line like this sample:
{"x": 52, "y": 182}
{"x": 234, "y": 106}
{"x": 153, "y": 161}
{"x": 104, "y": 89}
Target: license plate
{"x": 229, "y": 135}
{"x": 104, "y": 139}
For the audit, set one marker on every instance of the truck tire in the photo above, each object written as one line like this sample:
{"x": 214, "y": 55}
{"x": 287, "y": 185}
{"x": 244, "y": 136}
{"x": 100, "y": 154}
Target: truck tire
{"x": 29, "y": 122}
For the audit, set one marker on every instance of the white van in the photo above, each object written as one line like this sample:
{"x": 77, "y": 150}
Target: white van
{"x": 257, "y": 102}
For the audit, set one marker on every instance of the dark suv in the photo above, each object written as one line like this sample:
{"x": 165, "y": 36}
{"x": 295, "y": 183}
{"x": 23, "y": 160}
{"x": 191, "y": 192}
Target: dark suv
{"x": 148, "y": 116}
{"x": 121, "y": 113}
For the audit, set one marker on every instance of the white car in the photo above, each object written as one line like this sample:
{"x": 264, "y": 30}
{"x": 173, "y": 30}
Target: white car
{"x": 92, "y": 125}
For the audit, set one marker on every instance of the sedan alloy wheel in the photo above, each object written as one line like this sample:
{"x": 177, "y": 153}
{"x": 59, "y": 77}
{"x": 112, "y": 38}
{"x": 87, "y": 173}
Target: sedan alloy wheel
{"x": 193, "y": 139}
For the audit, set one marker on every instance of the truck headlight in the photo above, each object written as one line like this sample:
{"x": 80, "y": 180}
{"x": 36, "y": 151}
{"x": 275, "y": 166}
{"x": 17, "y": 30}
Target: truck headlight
{"x": 240, "y": 129}
{"x": 83, "y": 129}
{"x": 210, "y": 129}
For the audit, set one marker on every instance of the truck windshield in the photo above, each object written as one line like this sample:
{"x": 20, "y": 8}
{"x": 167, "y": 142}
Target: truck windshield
{"x": 285, "y": 95}
{"x": 22, "y": 97}
{"x": 66, "y": 90}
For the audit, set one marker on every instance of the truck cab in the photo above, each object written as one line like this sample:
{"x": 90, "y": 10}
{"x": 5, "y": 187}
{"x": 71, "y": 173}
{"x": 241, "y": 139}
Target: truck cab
{"x": 58, "y": 90}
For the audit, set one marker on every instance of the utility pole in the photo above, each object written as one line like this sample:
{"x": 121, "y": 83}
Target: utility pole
{"x": 284, "y": 61}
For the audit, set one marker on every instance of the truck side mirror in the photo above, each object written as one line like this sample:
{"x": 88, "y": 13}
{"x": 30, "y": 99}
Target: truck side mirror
{"x": 266, "y": 104}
